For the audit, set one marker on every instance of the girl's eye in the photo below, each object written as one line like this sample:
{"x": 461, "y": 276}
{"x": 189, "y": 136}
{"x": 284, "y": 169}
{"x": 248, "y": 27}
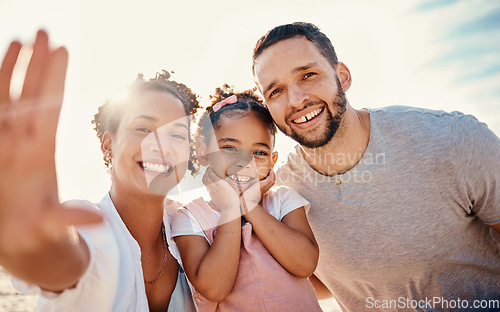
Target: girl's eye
{"x": 229, "y": 148}
{"x": 261, "y": 153}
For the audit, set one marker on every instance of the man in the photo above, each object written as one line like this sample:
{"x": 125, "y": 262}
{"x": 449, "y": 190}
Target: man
{"x": 405, "y": 202}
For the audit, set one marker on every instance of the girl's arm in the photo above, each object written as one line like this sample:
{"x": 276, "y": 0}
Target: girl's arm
{"x": 37, "y": 240}
{"x": 291, "y": 241}
{"x": 322, "y": 292}
{"x": 212, "y": 269}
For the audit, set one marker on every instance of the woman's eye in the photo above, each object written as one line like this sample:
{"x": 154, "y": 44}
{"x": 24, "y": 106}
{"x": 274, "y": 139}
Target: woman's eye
{"x": 143, "y": 129}
{"x": 178, "y": 136}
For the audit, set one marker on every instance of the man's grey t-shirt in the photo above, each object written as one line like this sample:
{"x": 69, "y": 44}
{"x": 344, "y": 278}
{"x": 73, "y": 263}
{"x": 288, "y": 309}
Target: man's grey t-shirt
{"x": 406, "y": 228}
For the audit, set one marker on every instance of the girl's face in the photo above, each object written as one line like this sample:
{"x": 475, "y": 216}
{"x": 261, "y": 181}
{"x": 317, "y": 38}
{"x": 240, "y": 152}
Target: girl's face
{"x": 150, "y": 150}
{"x": 241, "y": 149}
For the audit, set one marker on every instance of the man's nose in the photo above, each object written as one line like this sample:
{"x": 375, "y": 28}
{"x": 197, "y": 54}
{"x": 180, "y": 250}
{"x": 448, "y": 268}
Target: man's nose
{"x": 296, "y": 96}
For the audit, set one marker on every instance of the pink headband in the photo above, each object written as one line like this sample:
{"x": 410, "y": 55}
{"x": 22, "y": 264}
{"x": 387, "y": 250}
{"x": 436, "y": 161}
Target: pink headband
{"x": 229, "y": 100}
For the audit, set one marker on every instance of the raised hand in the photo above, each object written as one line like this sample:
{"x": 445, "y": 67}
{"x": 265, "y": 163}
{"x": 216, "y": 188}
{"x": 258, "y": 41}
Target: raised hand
{"x": 223, "y": 195}
{"x": 30, "y": 212}
{"x": 252, "y": 196}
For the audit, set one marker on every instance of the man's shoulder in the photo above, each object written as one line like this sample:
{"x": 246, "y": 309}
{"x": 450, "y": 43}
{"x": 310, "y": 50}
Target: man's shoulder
{"x": 414, "y": 121}
{"x": 410, "y": 112}
{"x": 294, "y": 162}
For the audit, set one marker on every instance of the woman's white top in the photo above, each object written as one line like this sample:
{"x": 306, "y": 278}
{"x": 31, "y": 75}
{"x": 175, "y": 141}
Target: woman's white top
{"x": 114, "y": 279}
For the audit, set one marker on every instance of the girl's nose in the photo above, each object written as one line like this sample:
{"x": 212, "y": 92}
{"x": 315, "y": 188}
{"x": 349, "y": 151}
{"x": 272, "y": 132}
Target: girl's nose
{"x": 245, "y": 158}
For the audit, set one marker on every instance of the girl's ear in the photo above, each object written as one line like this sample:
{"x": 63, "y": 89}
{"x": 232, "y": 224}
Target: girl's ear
{"x": 274, "y": 158}
{"x": 106, "y": 144}
{"x": 200, "y": 152}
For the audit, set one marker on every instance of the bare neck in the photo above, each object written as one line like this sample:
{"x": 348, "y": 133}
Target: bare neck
{"x": 141, "y": 214}
{"x": 346, "y": 148}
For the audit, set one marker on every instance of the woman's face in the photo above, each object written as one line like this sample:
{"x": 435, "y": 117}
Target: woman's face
{"x": 150, "y": 150}
{"x": 241, "y": 150}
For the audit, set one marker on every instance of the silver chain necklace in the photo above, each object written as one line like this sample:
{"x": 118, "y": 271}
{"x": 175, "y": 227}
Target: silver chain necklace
{"x": 164, "y": 256}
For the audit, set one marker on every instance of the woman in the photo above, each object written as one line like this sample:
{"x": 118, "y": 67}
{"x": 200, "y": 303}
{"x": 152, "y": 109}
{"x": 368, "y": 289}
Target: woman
{"x": 125, "y": 262}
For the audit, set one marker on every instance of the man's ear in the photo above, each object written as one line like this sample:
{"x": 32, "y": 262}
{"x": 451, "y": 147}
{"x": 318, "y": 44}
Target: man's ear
{"x": 107, "y": 140}
{"x": 200, "y": 151}
{"x": 344, "y": 76}
{"x": 274, "y": 159}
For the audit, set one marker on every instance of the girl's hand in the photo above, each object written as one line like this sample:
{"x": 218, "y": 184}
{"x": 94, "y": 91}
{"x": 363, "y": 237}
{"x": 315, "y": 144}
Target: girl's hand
{"x": 30, "y": 212}
{"x": 252, "y": 196}
{"x": 223, "y": 195}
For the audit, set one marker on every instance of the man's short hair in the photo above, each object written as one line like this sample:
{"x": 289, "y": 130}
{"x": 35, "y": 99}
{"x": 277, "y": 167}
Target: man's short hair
{"x": 299, "y": 29}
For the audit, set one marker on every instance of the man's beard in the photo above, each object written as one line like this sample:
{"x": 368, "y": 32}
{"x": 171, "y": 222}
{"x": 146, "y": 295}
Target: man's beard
{"x": 332, "y": 124}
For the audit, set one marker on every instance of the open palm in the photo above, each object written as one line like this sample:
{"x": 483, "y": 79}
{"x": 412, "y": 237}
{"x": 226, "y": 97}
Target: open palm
{"x": 30, "y": 212}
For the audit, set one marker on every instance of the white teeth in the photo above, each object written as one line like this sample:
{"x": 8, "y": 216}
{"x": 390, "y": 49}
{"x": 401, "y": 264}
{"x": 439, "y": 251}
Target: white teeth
{"x": 239, "y": 179}
{"x": 308, "y": 116}
{"x": 156, "y": 167}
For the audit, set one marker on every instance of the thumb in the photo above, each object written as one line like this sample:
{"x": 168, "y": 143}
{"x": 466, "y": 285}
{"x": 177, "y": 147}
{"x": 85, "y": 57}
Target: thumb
{"x": 76, "y": 212}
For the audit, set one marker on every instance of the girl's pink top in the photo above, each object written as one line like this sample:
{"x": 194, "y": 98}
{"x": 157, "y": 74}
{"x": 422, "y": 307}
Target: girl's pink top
{"x": 262, "y": 284}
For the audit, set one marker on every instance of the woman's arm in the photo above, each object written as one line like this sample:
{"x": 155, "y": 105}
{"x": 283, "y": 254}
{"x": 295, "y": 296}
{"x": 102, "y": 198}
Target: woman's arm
{"x": 212, "y": 269}
{"x": 37, "y": 240}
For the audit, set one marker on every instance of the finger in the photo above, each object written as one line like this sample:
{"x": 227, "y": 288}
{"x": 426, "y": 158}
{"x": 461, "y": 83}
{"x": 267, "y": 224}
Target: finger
{"x": 78, "y": 217}
{"x": 52, "y": 92}
{"x": 6, "y": 70}
{"x": 207, "y": 180}
{"x": 213, "y": 176}
{"x": 270, "y": 179}
{"x": 35, "y": 71}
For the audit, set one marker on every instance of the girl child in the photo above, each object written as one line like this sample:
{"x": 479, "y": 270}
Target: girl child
{"x": 127, "y": 262}
{"x": 242, "y": 251}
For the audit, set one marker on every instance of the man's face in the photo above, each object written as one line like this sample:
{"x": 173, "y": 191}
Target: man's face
{"x": 302, "y": 91}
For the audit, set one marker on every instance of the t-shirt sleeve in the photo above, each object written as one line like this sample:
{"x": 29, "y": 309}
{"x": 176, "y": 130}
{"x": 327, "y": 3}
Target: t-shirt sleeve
{"x": 184, "y": 223}
{"x": 475, "y": 152}
{"x": 96, "y": 289}
{"x": 283, "y": 200}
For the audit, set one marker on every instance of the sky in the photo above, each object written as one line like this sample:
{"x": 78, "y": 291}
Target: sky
{"x": 442, "y": 54}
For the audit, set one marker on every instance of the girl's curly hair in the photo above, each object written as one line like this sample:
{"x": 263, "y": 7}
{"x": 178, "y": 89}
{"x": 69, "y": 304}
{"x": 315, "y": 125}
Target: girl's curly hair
{"x": 110, "y": 113}
{"x": 248, "y": 102}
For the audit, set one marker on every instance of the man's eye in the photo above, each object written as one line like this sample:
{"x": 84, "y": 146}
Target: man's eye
{"x": 274, "y": 93}
{"x": 309, "y": 75}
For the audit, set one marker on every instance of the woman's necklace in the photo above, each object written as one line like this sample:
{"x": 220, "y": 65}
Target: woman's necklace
{"x": 164, "y": 256}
